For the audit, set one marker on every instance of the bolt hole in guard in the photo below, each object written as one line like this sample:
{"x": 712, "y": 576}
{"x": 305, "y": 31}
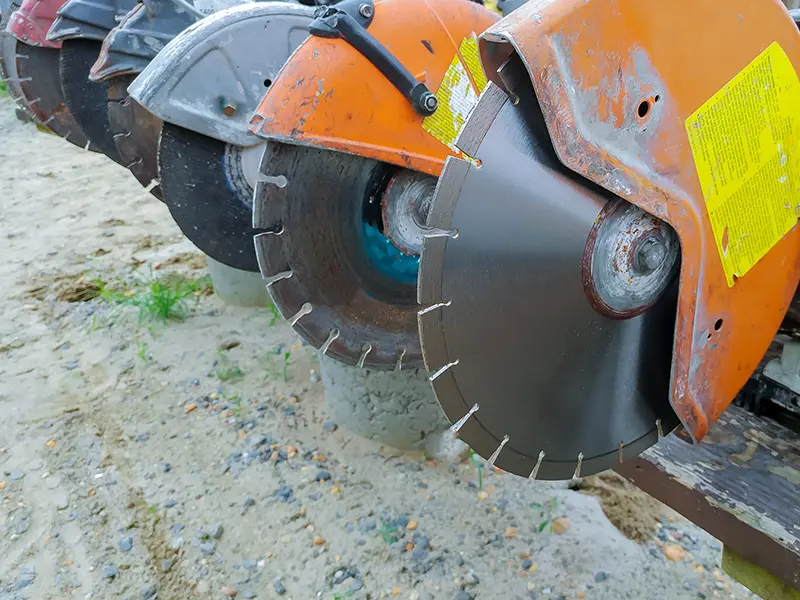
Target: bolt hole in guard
{"x": 644, "y": 108}
{"x": 267, "y": 83}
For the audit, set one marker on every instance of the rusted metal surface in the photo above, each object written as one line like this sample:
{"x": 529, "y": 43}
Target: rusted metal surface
{"x": 741, "y": 485}
{"x": 39, "y": 80}
{"x": 330, "y": 96}
{"x": 135, "y": 133}
{"x": 618, "y": 280}
{"x": 616, "y": 92}
{"x": 32, "y": 21}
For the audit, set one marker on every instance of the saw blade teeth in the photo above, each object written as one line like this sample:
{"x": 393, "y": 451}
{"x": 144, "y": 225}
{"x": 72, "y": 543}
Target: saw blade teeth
{"x": 432, "y": 307}
{"x": 304, "y": 310}
{"x": 365, "y": 350}
{"x": 399, "y": 364}
{"x": 539, "y": 460}
{"x": 496, "y": 453}
{"x": 456, "y": 427}
{"x": 577, "y": 473}
{"x": 277, "y": 180}
{"x": 446, "y": 194}
{"x": 480, "y": 119}
{"x": 332, "y": 335}
{"x": 433, "y": 232}
{"x": 442, "y": 370}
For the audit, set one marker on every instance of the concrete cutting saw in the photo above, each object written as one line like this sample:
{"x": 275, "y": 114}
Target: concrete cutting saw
{"x": 617, "y": 245}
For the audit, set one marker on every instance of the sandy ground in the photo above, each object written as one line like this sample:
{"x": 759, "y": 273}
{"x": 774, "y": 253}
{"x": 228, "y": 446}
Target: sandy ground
{"x": 143, "y": 460}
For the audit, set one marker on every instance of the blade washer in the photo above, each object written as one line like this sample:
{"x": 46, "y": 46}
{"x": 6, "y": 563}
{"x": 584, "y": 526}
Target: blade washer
{"x": 572, "y": 390}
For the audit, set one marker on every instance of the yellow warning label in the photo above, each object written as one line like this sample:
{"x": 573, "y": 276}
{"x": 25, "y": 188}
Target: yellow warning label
{"x": 457, "y": 94}
{"x": 745, "y": 146}
{"x": 472, "y": 59}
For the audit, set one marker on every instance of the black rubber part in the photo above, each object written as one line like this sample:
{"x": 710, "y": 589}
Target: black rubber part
{"x": 206, "y": 208}
{"x": 87, "y": 101}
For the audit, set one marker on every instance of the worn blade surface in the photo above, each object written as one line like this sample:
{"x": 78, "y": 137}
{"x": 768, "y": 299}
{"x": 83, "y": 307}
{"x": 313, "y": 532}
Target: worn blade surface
{"x": 203, "y": 184}
{"x": 40, "y": 82}
{"x": 136, "y": 133}
{"x": 318, "y": 271}
{"x": 559, "y": 388}
{"x": 87, "y": 101}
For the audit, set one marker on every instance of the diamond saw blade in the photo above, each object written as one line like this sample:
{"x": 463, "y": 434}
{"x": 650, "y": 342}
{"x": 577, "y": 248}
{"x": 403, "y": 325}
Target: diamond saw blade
{"x": 534, "y": 379}
{"x": 40, "y": 83}
{"x": 87, "y": 101}
{"x": 204, "y": 182}
{"x": 317, "y": 256}
{"x": 136, "y": 133}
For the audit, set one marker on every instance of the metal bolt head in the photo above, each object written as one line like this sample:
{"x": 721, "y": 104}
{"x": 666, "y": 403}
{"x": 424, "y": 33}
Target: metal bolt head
{"x": 228, "y": 109}
{"x": 365, "y": 10}
{"x": 430, "y": 102}
{"x": 651, "y": 255}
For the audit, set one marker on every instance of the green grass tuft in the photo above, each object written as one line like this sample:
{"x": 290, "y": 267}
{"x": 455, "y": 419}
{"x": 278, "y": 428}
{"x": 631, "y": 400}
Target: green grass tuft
{"x": 157, "y": 298}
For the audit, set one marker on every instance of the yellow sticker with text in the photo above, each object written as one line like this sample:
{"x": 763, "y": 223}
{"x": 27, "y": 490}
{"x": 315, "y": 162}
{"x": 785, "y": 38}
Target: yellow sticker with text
{"x": 458, "y": 93}
{"x": 745, "y": 146}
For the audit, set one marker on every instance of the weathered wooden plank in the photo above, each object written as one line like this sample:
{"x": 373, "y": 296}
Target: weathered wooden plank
{"x": 742, "y": 485}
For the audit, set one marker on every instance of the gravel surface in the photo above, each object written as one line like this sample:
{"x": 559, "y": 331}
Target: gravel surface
{"x": 197, "y": 459}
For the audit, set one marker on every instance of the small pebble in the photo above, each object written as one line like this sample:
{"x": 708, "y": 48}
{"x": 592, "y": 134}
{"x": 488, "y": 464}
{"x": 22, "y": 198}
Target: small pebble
{"x": 110, "y": 571}
{"x": 228, "y": 591}
{"x": 527, "y": 564}
{"x": 280, "y": 589}
{"x": 213, "y": 531}
{"x": 166, "y": 564}
{"x": 148, "y": 591}
{"x": 560, "y": 526}
{"x": 421, "y": 541}
{"x": 463, "y": 595}
{"x": 330, "y": 426}
{"x": 249, "y": 501}
{"x": 207, "y": 547}
{"x": 600, "y": 576}
{"x": 126, "y": 544}
{"x": 16, "y": 475}
{"x": 323, "y": 476}
{"x": 284, "y": 494}
{"x": 166, "y": 467}
{"x": 170, "y": 503}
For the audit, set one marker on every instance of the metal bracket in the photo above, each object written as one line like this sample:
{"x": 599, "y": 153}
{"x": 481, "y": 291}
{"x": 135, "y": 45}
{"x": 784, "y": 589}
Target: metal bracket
{"x": 349, "y": 20}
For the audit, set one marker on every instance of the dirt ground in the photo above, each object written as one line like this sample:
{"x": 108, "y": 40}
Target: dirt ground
{"x": 196, "y": 458}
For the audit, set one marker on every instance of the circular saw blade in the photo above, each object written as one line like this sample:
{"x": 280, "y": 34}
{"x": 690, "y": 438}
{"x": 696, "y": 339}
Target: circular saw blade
{"x": 136, "y": 133}
{"x": 40, "y": 82}
{"x": 534, "y": 378}
{"x": 87, "y": 101}
{"x": 204, "y": 185}
{"x": 315, "y": 258}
